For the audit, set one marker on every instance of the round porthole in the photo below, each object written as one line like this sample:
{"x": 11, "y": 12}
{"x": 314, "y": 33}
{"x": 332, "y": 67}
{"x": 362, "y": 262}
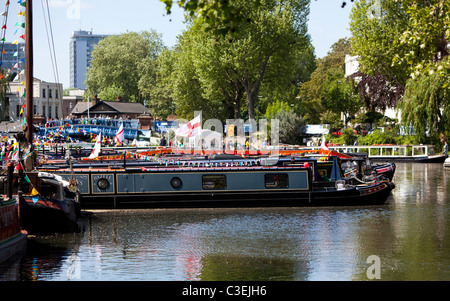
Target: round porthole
{"x": 103, "y": 184}
{"x": 176, "y": 182}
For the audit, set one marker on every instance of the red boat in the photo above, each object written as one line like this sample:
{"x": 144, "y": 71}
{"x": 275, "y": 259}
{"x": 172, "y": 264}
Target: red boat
{"x": 12, "y": 238}
{"x": 54, "y": 210}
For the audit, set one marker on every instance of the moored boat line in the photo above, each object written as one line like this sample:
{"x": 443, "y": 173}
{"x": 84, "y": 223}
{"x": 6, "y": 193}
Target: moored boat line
{"x": 224, "y": 180}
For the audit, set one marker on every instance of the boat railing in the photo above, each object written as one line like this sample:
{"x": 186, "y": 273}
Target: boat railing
{"x": 386, "y": 150}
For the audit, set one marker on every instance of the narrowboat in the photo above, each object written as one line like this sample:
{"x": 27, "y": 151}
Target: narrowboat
{"x": 236, "y": 182}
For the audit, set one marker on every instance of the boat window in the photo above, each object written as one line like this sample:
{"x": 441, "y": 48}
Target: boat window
{"x": 50, "y": 190}
{"x": 214, "y": 182}
{"x": 276, "y": 180}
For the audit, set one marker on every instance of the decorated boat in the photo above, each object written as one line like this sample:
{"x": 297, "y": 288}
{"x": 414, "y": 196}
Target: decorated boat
{"x": 48, "y": 203}
{"x": 12, "y": 238}
{"x": 51, "y": 208}
{"x": 219, "y": 182}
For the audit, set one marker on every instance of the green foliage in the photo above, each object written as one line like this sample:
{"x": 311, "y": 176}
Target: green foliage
{"x": 378, "y": 137}
{"x": 262, "y": 57}
{"x": 156, "y": 84}
{"x": 118, "y": 61}
{"x": 313, "y": 102}
{"x": 339, "y": 94}
{"x": 373, "y": 38}
{"x": 290, "y": 125}
{"x": 388, "y": 137}
{"x": 426, "y": 105}
{"x": 275, "y": 107}
{"x": 221, "y": 17}
{"x": 369, "y": 117}
{"x": 348, "y": 137}
{"x": 426, "y": 37}
{"x": 407, "y": 44}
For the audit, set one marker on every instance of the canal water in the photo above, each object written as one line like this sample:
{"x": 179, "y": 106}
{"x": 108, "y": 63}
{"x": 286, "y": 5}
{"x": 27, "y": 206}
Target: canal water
{"x": 408, "y": 239}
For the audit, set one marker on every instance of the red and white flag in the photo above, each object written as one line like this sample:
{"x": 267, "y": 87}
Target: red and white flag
{"x": 192, "y": 128}
{"x": 97, "y": 147}
{"x": 324, "y": 144}
{"x": 120, "y": 135}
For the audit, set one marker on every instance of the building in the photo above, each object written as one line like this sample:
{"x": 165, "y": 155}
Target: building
{"x": 352, "y": 66}
{"x": 81, "y": 45}
{"x": 12, "y": 55}
{"x": 47, "y": 98}
{"x": 112, "y": 109}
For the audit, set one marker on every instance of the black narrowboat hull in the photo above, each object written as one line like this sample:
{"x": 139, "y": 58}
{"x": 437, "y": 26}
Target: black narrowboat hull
{"x": 372, "y": 195}
{"x": 49, "y": 216}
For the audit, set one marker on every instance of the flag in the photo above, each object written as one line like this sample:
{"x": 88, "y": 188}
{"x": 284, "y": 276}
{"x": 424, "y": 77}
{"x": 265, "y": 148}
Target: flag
{"x": 324, "y": 144}
{"x": 192, "y": 128}
{"x": 34, "y": 192}
{"x": 120, "y": 135}
{"x": 19, "y": 167}
{"x": 15, "y": 153}
{"x": 96, "y": 150}
{"x": 15, "y": 42}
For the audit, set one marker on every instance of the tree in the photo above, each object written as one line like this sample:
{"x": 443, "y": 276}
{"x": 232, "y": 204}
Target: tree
{"x": 406, "y": 47}
{"x": 289, "y": 126}
{"x": 187, "y": 90}
{"x": 118, "y": 60}
{"x": 222, "y": 17}
{"x": 426, "y": 106}
{"x": 262, "y": 53}
{"x": 275, "y": 107}
{"x": 269, "y": 46}
{"x": 156, "y": 84}
{"x": 338, "y": 95}
{"x": 426, "y": 38}
{"x": 376, "y": 91}
{"x": 310, "y": 92}
{"x": 373, "y": 39}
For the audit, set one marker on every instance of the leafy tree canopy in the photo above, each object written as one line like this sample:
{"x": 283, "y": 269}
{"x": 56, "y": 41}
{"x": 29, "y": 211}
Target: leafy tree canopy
{"x": 117, "y": 64}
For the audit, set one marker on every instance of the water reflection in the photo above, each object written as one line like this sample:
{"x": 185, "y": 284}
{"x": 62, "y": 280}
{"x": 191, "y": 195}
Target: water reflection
{"x": 410, "y": 236}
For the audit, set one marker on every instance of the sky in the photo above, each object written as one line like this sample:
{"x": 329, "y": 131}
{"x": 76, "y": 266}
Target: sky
{"x": 328, "y": 22}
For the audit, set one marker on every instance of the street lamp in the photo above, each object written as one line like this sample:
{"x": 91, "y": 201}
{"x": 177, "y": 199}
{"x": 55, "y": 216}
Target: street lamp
{"x": 337, "y": 97}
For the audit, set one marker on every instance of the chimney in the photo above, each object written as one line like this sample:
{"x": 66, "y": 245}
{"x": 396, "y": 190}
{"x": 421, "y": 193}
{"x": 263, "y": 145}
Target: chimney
{"x": 95, "y": 100}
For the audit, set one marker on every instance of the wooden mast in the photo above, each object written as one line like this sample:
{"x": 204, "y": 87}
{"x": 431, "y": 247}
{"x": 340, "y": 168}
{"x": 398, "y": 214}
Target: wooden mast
{"x": 29, "y": 69}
